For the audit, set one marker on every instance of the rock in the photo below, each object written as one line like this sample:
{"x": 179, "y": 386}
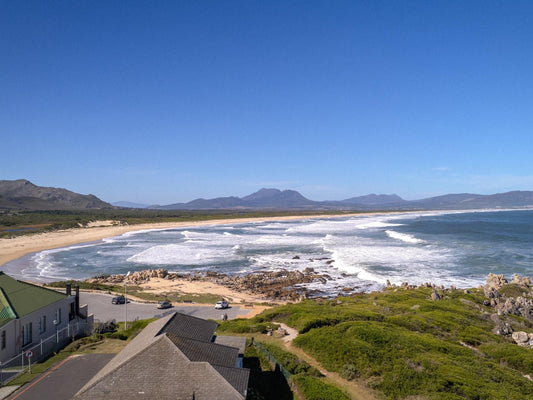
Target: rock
{"x": 523, "y": 282}
{"x": 296, "y": 258}
{"x": 435, "y": 295}
{"x": 520, "y": 337}
{"x": 523, "y": 339}
{"x": 280, "y": 332}
{"x": 495, "y": 281}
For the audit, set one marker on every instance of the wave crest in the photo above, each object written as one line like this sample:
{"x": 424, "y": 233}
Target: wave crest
{"x": 404, "y": 237}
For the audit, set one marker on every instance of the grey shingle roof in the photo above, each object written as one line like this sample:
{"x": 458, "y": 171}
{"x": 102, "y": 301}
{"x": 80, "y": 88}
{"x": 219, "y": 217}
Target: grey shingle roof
{"x": 196, "y": 350}
{"x": 143, "y": 340}
{"x": 238, "y": 342}
{"x": 237, "y": 377}
{"x": 160, "y": 365}
{"x": 190, "y": 327}
{"x": 161, "y": 371}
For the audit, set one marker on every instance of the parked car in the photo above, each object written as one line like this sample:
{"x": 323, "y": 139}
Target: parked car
{"x": 220, "y": 305}
{"x": 118, "y": 300}
{"x": 164, "y": 304}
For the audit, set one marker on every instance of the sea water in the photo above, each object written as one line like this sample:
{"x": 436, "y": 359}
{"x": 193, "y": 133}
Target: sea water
{"x": 363, "y": 252}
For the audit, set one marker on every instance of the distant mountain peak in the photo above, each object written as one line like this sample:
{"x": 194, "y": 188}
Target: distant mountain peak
{"x": 262, "y": 194}
{"x": 23, "y": 194}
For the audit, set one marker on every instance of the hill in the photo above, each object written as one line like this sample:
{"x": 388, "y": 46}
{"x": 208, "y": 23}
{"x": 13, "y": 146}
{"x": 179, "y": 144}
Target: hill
{"x": 21, "y": 194}
{"x": 262, "y": 199}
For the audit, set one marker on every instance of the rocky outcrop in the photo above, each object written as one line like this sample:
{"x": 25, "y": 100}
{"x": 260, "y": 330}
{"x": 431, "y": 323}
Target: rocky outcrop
{"x": 504, "y": 305}
{"x": 523, "y": 339}
{"x": 523, "y": 282}
{"x": 277, "y": 285}
{"x": 272, "y": 284}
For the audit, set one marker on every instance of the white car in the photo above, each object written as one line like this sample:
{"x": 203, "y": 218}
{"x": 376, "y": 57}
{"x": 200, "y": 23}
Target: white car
{"x": 221, "y": 305}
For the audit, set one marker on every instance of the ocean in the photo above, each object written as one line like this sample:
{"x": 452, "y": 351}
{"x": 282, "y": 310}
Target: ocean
{"x": 363, "y": 252}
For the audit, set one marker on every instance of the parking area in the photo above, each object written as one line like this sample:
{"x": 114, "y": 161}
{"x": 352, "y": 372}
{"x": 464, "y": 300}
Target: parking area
{"x": 100, "y": 305}
{"x": 64, "y": 380}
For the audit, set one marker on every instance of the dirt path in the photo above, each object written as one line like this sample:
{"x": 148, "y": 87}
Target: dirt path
{"x": 355, "y": 390}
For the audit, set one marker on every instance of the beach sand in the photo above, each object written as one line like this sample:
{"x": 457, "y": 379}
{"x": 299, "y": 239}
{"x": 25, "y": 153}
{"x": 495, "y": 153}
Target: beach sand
{"x": 15, "y": 248}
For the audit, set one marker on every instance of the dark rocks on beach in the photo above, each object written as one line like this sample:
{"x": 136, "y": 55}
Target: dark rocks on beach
{"x": 290, "y": 285}
{"x": 278, "y": 285}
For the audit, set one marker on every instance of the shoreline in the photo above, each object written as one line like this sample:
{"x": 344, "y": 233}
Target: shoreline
{"x": 14, "y": 248}
{"x": 22, "y": 247}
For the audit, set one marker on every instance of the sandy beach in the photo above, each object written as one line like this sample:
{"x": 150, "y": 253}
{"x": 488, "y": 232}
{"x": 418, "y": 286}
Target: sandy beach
{"x": 12, "y": 249}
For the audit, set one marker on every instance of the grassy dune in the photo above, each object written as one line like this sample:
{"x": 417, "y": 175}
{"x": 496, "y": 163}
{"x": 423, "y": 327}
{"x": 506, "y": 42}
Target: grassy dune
{"x": 402, "y": 344}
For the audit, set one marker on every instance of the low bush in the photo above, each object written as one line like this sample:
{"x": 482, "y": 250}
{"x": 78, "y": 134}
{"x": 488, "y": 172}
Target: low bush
{"x": 314, "y": 389}
{"x": 241, "y": 325}
{"x": 291, "y": 362}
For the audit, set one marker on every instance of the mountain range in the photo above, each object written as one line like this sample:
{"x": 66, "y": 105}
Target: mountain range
{"x": 23, "y": 195}
{"x": 290, "y": 199}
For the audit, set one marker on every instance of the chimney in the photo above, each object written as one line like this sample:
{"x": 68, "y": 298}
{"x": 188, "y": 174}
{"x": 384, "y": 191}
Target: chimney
{"x": 77, "y": 288}
{"x": 69, "y": 289}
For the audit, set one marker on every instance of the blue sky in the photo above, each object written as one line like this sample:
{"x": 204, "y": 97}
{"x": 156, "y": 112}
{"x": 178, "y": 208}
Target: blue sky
{"x": 167, "y": 101}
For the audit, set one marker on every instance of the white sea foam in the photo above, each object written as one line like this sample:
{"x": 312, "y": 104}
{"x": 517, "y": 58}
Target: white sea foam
{"x": 181, "y": 254}
{"x": 404, "y": 237}
{"x": 366, "y": 251}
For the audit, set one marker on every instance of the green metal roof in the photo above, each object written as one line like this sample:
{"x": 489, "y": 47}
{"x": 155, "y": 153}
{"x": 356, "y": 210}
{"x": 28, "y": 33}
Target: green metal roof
{"x": 6, "y": 312}
{"x": 18, "y": 299}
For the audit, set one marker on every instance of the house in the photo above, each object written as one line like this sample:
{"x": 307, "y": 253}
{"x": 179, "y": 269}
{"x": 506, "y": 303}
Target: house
{"x": 31, "y": 315}
{"x": 175, "y": 357}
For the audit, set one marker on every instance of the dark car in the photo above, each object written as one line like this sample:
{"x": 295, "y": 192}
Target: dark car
{"x": 118, "y": 300}
{"x": 164, "y": 304}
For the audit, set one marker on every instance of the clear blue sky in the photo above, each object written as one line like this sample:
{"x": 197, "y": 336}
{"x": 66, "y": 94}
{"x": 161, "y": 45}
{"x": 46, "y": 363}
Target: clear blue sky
{"x": 167, "y": 101}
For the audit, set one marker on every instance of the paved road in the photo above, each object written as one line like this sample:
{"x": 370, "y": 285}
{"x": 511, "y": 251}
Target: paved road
{"x": 100, "y": 305}
{"x": 63, "y": 381}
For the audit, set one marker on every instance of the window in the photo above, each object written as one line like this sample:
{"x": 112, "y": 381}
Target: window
{"x": 3, "y": 340}
{"x": 58, "y": 316}
{"x": 42, "y": 324}
{"x": 27, "y": 334}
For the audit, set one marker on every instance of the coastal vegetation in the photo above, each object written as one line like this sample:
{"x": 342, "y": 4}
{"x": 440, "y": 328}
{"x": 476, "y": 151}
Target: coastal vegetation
{"x": 401, "y": 343}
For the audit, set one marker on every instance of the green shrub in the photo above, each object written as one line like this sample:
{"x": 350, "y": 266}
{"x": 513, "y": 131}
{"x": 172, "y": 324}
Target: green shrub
{"x": 291, "y": 362}
{"x": 314, "y": 389}
{"x": 510, "y": 355}
{"x": 349, "y": 372}
{"x": 242, "y": 325}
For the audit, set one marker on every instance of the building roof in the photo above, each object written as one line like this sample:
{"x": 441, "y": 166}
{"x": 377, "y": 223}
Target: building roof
{"x": 238, "y": 342}
{"x": 143, "y": 340}
{"x": 237, "y": 377}
{"x": 196, "y": 350}
{"x": 18, "y": 299}
{"x": 162, "y": 365}
{"x": 183, "y": 325}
